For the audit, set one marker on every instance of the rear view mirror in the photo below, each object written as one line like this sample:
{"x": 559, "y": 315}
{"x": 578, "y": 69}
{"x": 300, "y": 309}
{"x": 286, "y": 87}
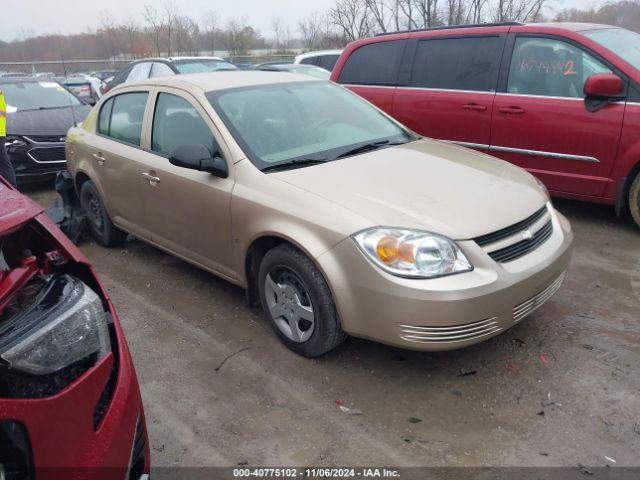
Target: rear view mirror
{"x": 604, "y": 85}
{"x": 198, "y": 157}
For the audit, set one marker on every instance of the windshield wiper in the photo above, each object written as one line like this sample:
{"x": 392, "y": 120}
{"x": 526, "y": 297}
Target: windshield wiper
{"x": 368, "y": 147}
{"x": 300, "y": 162}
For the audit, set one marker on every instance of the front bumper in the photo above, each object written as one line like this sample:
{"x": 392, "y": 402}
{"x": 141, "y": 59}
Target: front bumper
{"x": 64, "y": 444}
{"x": 448, "y": 312}
{"x": 37, "y": 160}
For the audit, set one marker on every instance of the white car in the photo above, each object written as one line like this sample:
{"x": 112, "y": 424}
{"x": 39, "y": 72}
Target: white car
{"x": 322, "y": 58}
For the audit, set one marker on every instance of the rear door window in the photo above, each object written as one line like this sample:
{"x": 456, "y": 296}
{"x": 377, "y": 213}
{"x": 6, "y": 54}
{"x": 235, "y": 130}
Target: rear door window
{"x": 309, "y": 60}
{"x": 373, "y": 64}
{"x": 328, "y": 61}
{"x": 161, "y": 70}
{"x": 177, "y": 122}
{"x": 127, "y": 113}
{"x": 139, "y": 71}
{"x": 466, "y": 63}
{"x": 549, "y": 67}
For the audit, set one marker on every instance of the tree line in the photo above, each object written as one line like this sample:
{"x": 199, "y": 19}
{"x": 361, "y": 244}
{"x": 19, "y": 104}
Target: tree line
{"x": 165, "y": 31}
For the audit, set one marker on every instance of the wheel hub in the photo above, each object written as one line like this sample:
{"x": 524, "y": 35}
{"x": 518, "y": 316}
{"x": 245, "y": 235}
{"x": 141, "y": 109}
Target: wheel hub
{"x": 289, "y": 305}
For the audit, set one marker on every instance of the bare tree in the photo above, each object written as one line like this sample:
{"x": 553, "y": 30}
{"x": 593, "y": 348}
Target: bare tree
{"x": 427, "y": 12}
{"x": 279, "y": 30}
{"x": 170, "y": 20}
{"x": 131, "y": 30}
{"x": 310, "y": 29}
{"x": 456, "y": 11}
{"x": 352, "y": 18}
{"x": 154, "y": 20}
{"x": 210, "y": 24}
{"x": 236, "y": 36}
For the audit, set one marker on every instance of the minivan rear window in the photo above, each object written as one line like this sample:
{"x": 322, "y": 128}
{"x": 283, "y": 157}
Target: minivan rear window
{"x": 466, "y": 63}
{"x": 373, "y": 64}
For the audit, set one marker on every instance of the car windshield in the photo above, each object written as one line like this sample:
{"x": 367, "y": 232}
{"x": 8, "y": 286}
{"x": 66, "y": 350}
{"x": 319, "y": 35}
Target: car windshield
{"x": 624, "y": 43}
{"x": 203, "y": 65}
{"x": 37, "y": 96}
{"x": 285, "y": 122}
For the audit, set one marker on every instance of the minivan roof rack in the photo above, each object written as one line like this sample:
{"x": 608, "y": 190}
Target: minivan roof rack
{"x": 451, "y": 27}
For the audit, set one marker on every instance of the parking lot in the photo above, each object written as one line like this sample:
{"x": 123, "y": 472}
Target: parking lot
{"x": 560, "y": 389}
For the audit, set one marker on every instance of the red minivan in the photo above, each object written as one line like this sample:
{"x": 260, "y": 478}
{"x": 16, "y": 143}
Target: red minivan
{"x": 70, "y": 406}
{"x": 561, "y": 100}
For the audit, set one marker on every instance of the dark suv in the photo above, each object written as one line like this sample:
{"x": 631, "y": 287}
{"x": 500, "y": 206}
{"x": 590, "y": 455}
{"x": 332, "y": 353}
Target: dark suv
{"x": 561, "y": 100}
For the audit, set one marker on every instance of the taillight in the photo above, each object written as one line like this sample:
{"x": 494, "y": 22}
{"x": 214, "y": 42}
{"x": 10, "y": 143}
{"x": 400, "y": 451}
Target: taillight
{"x": 104, "y": 88}
{"x": 85, "y": 89}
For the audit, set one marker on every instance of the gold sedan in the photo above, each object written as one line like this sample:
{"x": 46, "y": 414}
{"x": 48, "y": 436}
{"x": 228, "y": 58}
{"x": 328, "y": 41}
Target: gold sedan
{"x": 333, "y": 216}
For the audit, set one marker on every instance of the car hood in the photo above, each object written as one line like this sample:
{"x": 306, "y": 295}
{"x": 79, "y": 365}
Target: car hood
{"x": 52, "y": 121}
{"x": 15, "y": 208}
{"x": 426, "y": 185}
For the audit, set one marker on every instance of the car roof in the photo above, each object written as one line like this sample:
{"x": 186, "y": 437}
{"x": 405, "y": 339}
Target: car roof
{"x": 319, "y": 53}
{"x": 223, "y": 80}
{"x": 571, "y": 26}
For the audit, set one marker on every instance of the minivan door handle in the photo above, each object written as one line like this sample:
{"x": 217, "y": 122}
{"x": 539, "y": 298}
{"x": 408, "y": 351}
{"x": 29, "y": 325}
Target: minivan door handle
{"x": 512, "y": 110}
{"x": 474, "y": 107}
{"x": 153, "y": 180}
{"x": 99, "y": 158}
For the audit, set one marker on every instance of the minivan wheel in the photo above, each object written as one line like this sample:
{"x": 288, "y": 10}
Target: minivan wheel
{"x": 634, "y": 199}
{"x": 101, "y": 226}
{"x": 297, "y": 301}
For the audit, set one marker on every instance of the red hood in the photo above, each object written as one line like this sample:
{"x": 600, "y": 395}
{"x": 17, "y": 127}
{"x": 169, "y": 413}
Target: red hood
{"x": 15, "y": 208}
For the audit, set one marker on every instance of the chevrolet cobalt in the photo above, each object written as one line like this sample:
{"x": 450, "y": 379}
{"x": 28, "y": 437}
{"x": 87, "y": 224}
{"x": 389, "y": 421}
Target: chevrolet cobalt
{"x": 333, "y": 216}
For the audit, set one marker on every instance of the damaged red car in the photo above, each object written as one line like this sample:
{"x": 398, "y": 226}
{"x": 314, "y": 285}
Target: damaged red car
{"x": 70, "y": 405}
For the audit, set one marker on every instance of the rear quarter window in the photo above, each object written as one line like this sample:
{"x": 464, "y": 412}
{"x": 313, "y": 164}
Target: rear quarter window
{"x": 373, "y": 64}
{"x": 466, "y": 63}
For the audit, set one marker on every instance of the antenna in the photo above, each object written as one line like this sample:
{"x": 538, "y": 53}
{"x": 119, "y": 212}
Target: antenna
{"x": 64, "y": 71}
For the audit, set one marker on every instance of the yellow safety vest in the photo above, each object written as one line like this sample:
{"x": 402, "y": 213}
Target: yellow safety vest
{"x": 3, "y": 116}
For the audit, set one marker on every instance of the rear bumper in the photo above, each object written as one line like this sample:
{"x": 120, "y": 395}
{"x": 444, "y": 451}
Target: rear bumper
{"x": 65, "y": 444}
{"x": 449, "y": 312}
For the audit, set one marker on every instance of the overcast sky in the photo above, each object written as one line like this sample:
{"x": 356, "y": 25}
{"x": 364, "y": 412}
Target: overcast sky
{"x": 74, "y": 16}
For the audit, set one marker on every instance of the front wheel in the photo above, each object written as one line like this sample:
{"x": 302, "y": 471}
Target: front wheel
{"x": 101, "y": 226}
{"x": 634, "y": 199}
{"x": 297, "y": 302}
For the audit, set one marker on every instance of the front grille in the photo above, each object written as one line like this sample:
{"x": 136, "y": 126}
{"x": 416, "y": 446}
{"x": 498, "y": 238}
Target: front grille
{"x": 520, "y": 249}
{"x": 138, "y": 449}
{"x": 46, "y": 138}
{"x": 48, "y": 154}
{"x": 457, "y": 333}
{"x": 535, "y": 302}
{"x": 512, "y": 230}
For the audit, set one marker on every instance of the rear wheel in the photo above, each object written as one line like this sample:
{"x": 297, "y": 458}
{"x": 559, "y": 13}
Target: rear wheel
{"x": 101, "y": 226}
{"x": 297, "y": 301}
{"x": 634, "y": 199}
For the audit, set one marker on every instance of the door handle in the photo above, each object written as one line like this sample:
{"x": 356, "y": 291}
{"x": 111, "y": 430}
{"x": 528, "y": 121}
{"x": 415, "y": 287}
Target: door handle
{"x": 474, "y": 107}
{"x": 153, "y": 180}
{"x": 99, "y": 158}
{"x": 512, "y": 110}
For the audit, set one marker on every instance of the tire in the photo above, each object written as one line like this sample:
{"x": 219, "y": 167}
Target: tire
{"x": 290, "y": 283}
{"x": 100, "y": 225}
{"x": 634, "y": 199}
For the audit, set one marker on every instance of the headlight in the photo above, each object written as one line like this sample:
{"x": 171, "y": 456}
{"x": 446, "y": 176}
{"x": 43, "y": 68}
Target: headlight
{"x": 65, "y": 325}
{"x": 543, "y": 188}
{"x": 412, "y": 253}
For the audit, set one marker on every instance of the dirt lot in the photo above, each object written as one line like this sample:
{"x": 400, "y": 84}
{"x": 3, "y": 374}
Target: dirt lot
{"x": 562, "y": 388}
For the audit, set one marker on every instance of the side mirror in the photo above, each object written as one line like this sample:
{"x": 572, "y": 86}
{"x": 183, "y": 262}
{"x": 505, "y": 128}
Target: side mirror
{"x": 604, "y": 86}
{"x": 198, "y": 157}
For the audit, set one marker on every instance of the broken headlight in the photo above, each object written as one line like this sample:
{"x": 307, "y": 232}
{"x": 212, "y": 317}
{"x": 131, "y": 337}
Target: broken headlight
{"x": 56, "y": 335}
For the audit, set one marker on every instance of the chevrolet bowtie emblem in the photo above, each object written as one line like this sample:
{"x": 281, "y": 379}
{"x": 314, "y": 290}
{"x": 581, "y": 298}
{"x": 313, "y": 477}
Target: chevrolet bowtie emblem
{"x": 527, "y": 235}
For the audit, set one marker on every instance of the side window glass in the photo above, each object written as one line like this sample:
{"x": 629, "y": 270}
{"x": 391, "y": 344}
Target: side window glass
{"x": 309, "y": 60}
{"x": 105, "y": 117}
{"x": 469, "y": 63}
{"x": 373, "y": 64}
{"x": 548, "y": 67}
{"x": 126, "y": 117}
{"x": 328, "y": 61}
{"x": 139, "y": 71}
{"x": 176, "y": 122}
{"x": 161, "y": 70}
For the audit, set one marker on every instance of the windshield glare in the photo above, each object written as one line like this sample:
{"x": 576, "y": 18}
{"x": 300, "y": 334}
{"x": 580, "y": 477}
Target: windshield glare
{"x": 203, "y": 66}
{"x": 37, "y": 95}
{"x": 624, "y": 43}
{"x": 282, "y": 122}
